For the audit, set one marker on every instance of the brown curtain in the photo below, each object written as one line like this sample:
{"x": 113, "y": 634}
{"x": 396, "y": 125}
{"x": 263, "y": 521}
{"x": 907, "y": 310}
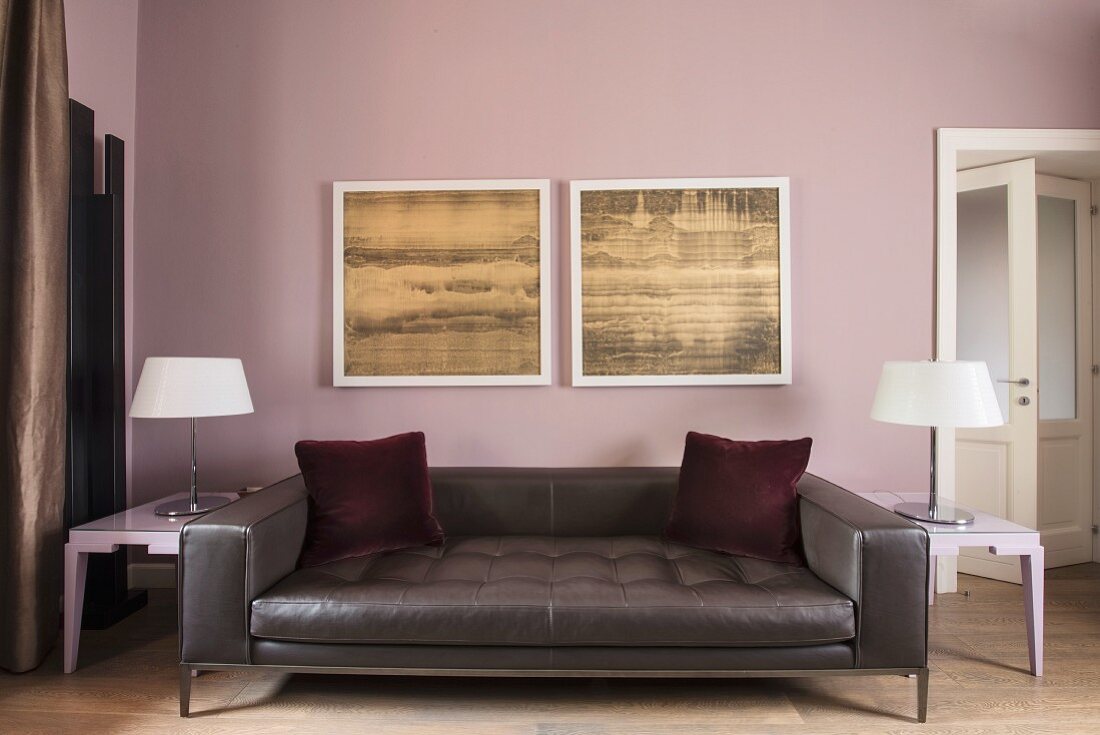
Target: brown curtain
{"x": 34, "y": 204}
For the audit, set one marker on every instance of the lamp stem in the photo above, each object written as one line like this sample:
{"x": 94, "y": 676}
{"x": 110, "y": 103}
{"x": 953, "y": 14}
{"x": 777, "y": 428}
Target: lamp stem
{"x": 195, "y": 470}
{"x": 194, "y": 504}
{"x": 933, "y": 496}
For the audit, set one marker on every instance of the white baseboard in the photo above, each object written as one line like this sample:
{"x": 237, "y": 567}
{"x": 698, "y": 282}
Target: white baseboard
{"x": 147, "y": 575}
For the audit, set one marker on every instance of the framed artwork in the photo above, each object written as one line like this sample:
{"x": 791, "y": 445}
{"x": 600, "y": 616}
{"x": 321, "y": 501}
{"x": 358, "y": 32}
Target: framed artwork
{"x": 441, "y": 282}
{"x": 681, "y": 281}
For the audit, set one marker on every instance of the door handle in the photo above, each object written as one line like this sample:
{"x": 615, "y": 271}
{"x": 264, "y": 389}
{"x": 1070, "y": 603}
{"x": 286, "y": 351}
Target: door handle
{"x": 1022, "y": 382}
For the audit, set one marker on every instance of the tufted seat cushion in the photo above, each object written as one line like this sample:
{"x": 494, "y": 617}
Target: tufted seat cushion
{"x": 546, "y": 591}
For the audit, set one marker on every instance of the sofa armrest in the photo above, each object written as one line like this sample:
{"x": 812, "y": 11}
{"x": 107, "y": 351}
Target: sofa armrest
{"x": 878, "y": 559}
{"x": 227, "y": 558}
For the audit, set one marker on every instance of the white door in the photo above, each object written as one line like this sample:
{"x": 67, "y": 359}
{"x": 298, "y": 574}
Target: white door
{"x": 997, "y": 468}
{"x": 1065, "y": 363}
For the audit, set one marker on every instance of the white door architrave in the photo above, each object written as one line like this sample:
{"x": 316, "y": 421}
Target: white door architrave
{"x": 949, "y": 143}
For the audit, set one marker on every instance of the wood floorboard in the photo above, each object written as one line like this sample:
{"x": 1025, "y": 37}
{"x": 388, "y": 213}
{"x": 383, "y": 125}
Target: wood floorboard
{"x": 127, "y": 683}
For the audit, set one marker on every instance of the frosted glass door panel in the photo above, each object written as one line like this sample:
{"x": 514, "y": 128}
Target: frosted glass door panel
{"x": 996, "y": 468}
{"x": 1064, "y": 315}
{"x": 983, "y": 325}
{"x": 1057, "y": 258}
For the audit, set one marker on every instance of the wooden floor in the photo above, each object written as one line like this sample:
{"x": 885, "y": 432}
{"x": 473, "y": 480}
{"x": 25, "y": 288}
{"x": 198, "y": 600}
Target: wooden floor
{"x": 127, "y": 683}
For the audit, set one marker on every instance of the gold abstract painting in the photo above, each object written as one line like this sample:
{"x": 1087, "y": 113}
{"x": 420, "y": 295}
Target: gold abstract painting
{"x": 442, "y": 285}
{"x": 680, "y": 282}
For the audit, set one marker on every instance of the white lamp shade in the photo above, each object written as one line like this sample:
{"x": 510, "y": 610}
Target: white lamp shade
{"x": 188, "y": 387}
{"x": 934, "y": 393}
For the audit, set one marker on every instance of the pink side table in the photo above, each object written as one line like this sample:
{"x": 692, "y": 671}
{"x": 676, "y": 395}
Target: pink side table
{"x": 134, "y": 527}
{"x": 1000, "y": 537}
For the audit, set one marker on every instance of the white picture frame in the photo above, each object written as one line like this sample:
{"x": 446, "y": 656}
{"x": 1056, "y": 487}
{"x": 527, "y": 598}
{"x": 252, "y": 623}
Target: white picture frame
{"x": 341, "y": 376}
{"x": 780, "y": 376}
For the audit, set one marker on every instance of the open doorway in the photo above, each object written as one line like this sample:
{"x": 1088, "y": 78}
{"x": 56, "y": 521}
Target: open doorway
{"x": 1015, "y": 287}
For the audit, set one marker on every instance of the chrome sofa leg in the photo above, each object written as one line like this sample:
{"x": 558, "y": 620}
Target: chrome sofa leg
{"x": 185, "y": 690}
{"x": 922, "y": 695}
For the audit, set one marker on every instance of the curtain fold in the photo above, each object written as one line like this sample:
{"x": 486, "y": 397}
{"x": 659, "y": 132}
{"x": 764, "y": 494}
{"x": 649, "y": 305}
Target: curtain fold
{"x": 34, "y": 205}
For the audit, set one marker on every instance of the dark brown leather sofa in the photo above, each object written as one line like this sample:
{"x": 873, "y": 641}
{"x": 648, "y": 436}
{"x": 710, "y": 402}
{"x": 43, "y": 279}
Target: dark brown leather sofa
{"x": 556, "y": 572}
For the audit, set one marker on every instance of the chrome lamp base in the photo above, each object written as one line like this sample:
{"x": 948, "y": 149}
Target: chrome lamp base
{"x": 185, "y": 506}
{"x": 938, "y": 513}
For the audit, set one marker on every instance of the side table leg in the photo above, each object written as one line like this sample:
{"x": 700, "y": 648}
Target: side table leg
{"x": 76, "y": 568}
{"x": 931, "y": 579}
{"x": 1031, "y": 569}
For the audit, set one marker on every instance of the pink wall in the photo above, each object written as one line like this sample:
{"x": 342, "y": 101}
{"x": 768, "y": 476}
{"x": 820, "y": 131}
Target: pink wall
{"x": 247, "y": 112}
{"x": 101, "y": 36}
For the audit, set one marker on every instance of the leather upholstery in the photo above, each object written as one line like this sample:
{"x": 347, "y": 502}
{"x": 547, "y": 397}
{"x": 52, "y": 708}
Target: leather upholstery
{"x": 878, "y": 559}
{"x": 227, "y": 558}
{"x": 547, "y": 591}
{"x": 492, "y": 501}
{"x": 612, "y": 501}
{"x": 547, "y": 658}
{"x": 599, "y": 501}
{"x": 232, "y": 556}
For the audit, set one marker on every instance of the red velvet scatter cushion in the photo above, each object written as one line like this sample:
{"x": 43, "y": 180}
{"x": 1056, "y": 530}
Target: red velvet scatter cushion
{"x": 366, "y": 497}
{"x": 740, "y": 497}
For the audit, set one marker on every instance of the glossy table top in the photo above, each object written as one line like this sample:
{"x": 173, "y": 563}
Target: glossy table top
{"x": 142, "y": 518}
{"x": 983, "y": 522}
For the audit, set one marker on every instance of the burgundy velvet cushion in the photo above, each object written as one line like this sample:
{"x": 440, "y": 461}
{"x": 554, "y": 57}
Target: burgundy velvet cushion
{"x": 366, "y": 497}
{"x": 740, "y": 497}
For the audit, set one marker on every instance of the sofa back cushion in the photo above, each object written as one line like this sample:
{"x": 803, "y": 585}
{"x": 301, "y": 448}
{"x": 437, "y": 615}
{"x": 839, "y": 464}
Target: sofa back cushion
{"x": 535, "y": 501}
{"x": 740, "y": 497}
{"x": 366, "y": 497}
{"x": 579, "y": 501}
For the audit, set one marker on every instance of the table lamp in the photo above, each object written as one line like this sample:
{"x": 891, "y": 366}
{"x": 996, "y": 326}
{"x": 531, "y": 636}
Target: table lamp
{"x": 191, "y": 387}
{"x": 936, "y": 393}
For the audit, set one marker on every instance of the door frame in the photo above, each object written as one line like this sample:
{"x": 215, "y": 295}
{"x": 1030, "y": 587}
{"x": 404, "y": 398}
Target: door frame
{"x": 949, "y": 142}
